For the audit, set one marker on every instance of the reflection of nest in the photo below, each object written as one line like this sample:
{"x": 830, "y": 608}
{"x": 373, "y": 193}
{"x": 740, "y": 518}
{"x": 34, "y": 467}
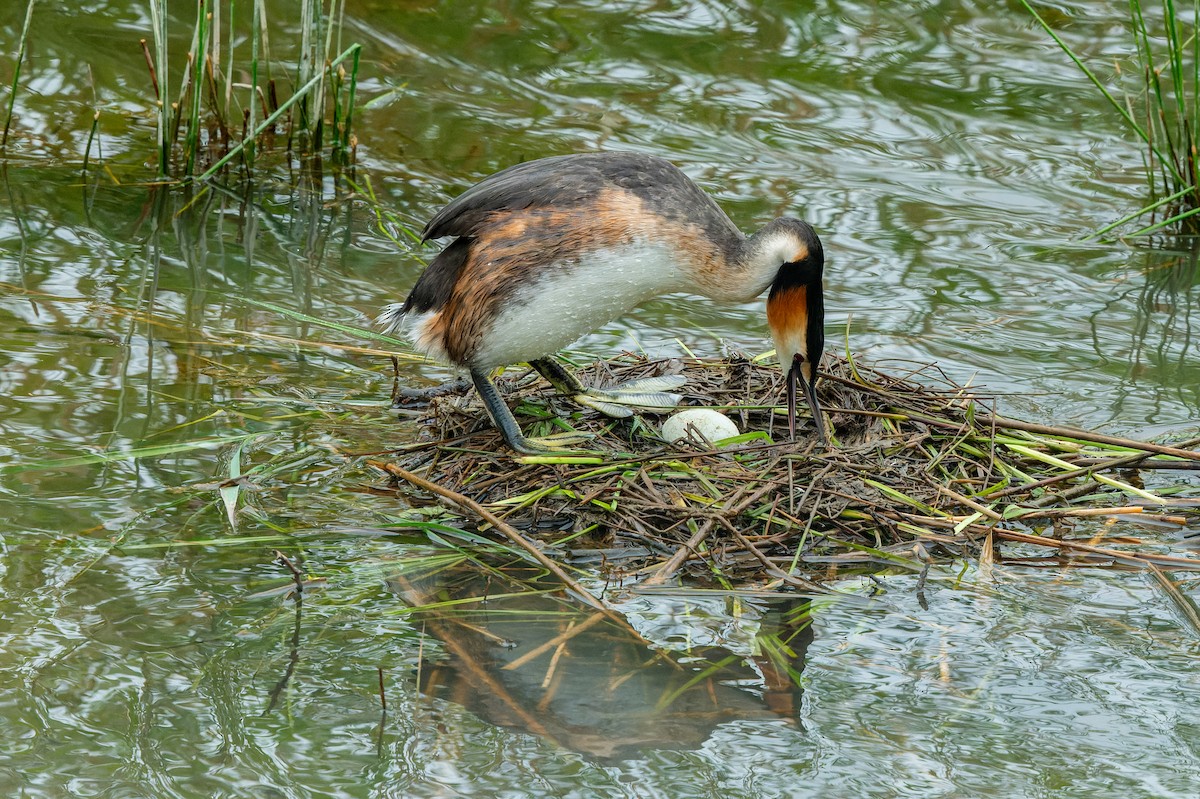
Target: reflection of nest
{"x": 916, "y": 472}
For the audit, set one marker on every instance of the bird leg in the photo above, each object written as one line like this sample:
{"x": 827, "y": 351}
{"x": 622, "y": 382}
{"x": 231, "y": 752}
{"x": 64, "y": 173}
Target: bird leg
{"x": 558, "y": 376}
{"x": 621, "y": 401}
{"x": 506, "y": 423}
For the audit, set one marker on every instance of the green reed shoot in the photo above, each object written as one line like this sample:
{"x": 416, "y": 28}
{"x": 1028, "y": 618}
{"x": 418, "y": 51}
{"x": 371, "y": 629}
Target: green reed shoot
{"x": 12, "y": 94}
{"x": 208, "y": 103}
{"x": 196, "y": 70}
{"x": 251, "y": 118}
{"x": 1164, "y": 112}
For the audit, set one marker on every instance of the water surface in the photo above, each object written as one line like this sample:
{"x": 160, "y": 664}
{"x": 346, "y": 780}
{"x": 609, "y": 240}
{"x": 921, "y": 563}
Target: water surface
{"x": 953, "y": 162}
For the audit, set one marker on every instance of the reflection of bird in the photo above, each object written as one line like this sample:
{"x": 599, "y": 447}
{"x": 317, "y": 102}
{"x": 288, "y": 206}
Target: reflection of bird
{"x": 549, "y": 250}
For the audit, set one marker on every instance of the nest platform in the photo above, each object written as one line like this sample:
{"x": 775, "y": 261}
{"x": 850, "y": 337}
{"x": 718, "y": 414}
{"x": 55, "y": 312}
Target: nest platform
{"x": 919, "y": 470}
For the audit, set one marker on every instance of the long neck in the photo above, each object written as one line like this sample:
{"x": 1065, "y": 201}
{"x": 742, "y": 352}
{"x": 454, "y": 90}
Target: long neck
{"x": 796, "y": 313}
{"x": 756, "y": 261}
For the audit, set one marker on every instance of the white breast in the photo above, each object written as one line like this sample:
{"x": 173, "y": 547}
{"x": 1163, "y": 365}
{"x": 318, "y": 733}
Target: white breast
{"x": 571, "y": 299}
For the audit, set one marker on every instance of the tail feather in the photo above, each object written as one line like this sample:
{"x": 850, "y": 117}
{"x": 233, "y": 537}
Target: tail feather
{"x": 392, "y": 318}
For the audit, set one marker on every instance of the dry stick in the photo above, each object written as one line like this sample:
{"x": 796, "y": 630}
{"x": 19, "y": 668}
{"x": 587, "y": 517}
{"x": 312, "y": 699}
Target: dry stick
{"x": 510, "y": 532}
{"x": 772, "y": 569}
{"x": 1124, "y": 510}
{"x": 1066, "y": 495}
{"x": 1149, "y": 463}
{"x": 689, "y": 548}
{"x": 1117, "y": 555}
{"x": 297, "y": 576}
{"x": 970, "y": 503}
{"x": 1184, "y": 602}
{"x": 684, "y": 552}
{"x": 1098, "y": 438}
{"x": 150, "y": 66}
{"x": 1137, "y": 559}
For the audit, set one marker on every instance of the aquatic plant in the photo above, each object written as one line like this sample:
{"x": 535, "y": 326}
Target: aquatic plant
{"x": 12, "y": 94}
{"x": 1164, "y": 112}
{"x": 220, "y": 120}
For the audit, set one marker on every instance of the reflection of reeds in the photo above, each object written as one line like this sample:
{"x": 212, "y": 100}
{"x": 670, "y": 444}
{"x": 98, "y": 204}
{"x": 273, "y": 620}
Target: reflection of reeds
{"x": 1162, "y": 327}
{"x": 220, "y": 120}
{"x": 1163, "y": 113}
{"x": 12, "y": 94}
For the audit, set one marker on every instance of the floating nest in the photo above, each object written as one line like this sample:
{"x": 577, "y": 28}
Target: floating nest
{"x": 920, "y": 469}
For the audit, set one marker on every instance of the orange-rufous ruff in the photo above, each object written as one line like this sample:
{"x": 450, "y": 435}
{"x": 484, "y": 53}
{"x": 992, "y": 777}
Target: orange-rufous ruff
{"x": 795, "y": 315}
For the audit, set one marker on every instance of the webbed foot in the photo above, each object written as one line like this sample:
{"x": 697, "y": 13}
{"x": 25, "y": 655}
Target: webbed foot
{"x": 650, "y": 394}
{"x": 554, "y": 444}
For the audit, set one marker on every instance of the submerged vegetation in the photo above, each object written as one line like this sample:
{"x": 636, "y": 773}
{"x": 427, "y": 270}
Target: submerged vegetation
{"x": 1162, "y": 109}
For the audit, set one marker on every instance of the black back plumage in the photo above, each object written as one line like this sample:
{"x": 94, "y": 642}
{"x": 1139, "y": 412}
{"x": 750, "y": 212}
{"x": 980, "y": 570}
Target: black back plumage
{"x": 437, "y": 281}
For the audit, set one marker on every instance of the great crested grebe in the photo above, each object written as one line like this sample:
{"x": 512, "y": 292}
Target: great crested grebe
{"x": 549, "y": 250}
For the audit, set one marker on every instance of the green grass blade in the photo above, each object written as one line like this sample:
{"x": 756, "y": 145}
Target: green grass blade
{"x": 1154, "y": 206}
{"x": 209, "y": 542}
{"x": 1195, "y": 69}
{"x": 1103, "y": 90}
{"x": 229, "y": 493}
{"x": 112, "y": 456}
{"x": 341, "y": 328}
{"x": 255, "y": 43}
{"x": 1165, "y": 223}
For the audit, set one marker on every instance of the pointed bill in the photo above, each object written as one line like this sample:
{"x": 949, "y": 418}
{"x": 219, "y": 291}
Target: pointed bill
{"x": 796, "y": 374}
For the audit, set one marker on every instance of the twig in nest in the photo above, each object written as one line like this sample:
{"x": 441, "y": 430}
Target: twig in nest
{"x": 1137, "y": 558}
{"x": 1092, "y": 465}
{"x": 510, "y": 532}
{"x": 1084, "y": 435}
{"x": 733, "y": 506}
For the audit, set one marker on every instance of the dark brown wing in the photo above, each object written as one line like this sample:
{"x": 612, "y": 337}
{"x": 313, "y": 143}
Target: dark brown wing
{"x": 567, "y": 181}
{"x": 561, "y": 182}
{"x": 436, "y": 283}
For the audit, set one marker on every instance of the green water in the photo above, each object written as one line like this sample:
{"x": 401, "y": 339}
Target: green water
{"x": 952, "y": 161}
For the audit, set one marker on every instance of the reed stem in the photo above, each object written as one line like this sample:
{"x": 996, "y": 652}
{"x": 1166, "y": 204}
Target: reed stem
{"x": 301, "y": 93}
{"x": 207, "y": 100}
{"x": 1169, "y": 101}
{"x": 12, "y": 94}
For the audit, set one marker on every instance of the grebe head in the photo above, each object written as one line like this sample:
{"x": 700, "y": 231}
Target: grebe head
{"x": 796, "y": 316}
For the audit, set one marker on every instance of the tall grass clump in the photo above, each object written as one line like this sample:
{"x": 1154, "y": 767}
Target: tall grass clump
{"x": 207, "y": 121}
{"x": 1162, "y": 108}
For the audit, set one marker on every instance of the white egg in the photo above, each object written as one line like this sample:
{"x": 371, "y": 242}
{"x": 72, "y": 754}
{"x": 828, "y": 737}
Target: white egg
{"x": 708, "y": 424}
